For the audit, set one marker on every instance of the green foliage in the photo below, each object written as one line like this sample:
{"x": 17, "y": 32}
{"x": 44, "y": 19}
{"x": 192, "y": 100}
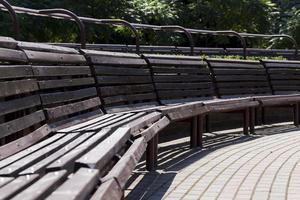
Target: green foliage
{"x": 256, "y": 16}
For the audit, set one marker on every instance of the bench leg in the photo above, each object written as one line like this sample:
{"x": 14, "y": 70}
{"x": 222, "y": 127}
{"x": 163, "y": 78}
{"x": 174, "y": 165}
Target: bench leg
{"x": 263, "y": 116}
{"x": 252, "y": 120}
{"x": 296, "y": 114}
{"x": 200, "y": 128}
{"x": 207, "y": 124}
{"x": 194, "y": 132}
{"x": 151, "y": 154}
{"x": 246, "y": 121}
{"x": 256, "y": 112}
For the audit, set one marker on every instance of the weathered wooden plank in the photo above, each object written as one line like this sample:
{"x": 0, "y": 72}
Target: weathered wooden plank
{"x": 15, "y": 71}
{"x": 127, "y": 80}
{"x": 126, "y": 89}
{"x": 99, "y": 156}
{"x": 140, "y": 123}
{"x": 8, "y": 42}
{"x": 34, "y": 157}
{"x": 19, "y": 104}
{"x": 129, "y": 98}
{"x": 14, "y": 187}
{"x": 46, "y": 47}
{"x": 126, "y": 120}
{"x": 232, "y": 106}
{"x": 10, "y": 55}
{"x": 78, "y": 187}
{"x": 64, "y": 83}
{"x": 68, "y": 109}
{"x": 287, "y": 87}
{"x": 10, "y": 88}
{"x": 116, "y": 60}
{"x": 175, "y": 62}
{"x": 24, "y": 142}
{"x": 40, "y": 167}
{"x": 60, "y": 97}
{"x": 21, "y": 123}
{"x": 182, "y": 86}
{"x": 150, "y": 132}
{"x": 67, "y": 161}
{"x": 184, "y": 93}
{"x": 43, "y": 187}
{"x": 110, "y": 70}
{"x": 87, "y": 123}
{"x": 184, "y": 70}
{"x": 49, "y": 71}
{"x": 182, "y": 78}
{"x": 133, "y": 107}
{"x": 244, "y": 84}
{"x": 56, "y": 58}
{"x": 108, "y": 190}
{"x": 241, "y": 78}
{"x": 9, "y": 160}
{"x": 5, "y": 180}
{"x": 222, "y": 63}
{"x": 225, "y": 91}
{"x": 258, "y": 71}
{"x": 285, "y": 76}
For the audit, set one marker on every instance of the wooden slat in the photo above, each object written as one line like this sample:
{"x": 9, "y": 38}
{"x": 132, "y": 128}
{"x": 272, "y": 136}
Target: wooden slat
{"x": 9, "y": 160}
{"x": 99, "y": 156}
{"x": 78, "y": 187}
{"x": 17, "y": 185}
{"x": 11, "y": 88}
{"x": 64, "y": 83}
{"x": 108, "y": 70}
{"x": 184, "y": 93}
{"x": 150, "y": 132}
{"x": 68, "y": 109}
{"x": 285, "y": 76}
{"x": 108, "y": 190}
{"x": 243, "y": 84}
{"x": 46, "y": 47}
{"x": 15, "y": 71}
{"x": 129, "y": 98}
{"x": 115, "y": 60}
{"x": 49, "y": 71}
{"x": 143, "y": 121}
{"x": 43, "y": 187}
{"x": 60, "y": 97}
{"x": 67, "y": 161}
{"x": 24, "y": 142}
{"x": 8, "y": 42}
{"x": 248, "y": 90}
{"x": 241, "y": 78}
{"x": 125, "y": 89}
{"x": 181, "y": 78}
{"x": 182, "y": 86}
{"x": 21, "y": 123}
{"x": 56, "y": 58}
{"x": 185, "y": 70}
{"x": 259, "y": 71}
{"x": 25, "y": 162}
{"x": 174, "y": 62}
{"x": 102, "y": 80}
{"x": 5, "y": 180}
{"x": 40, "y": 167}
{"x": 19, "y": 104}
{"x": 12, "y": 55}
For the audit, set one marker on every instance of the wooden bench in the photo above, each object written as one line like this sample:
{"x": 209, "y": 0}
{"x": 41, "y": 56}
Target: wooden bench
{"x": 81, "y": 138}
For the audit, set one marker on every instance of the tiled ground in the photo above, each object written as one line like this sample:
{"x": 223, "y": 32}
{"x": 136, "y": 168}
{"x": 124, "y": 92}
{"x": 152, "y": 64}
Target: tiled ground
{"x": 265, "y": 166}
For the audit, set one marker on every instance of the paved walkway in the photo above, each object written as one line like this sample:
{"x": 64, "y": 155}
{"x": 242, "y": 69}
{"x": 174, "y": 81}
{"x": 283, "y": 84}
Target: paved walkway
{"x": 266, "y": 166}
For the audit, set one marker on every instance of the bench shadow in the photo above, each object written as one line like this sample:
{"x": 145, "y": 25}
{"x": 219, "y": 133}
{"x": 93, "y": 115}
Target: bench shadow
{"x": 174, "y": 157}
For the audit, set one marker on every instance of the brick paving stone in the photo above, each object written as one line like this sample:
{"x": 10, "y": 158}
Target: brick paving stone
{"x": 264, "y": 168}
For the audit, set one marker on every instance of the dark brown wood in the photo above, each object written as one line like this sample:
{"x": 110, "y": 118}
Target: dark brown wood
{"x": 150, "y": 155}
{"x": 78, "y": 187}
{"x": 155, "y": 128}
{"x": 43, "y": 187}
{"x": 9, "y": 55}
{"x": 200, "y": 130}
{"x": 246, "y": 118}
{"x": 108, "y": 190}
{"x": 194, "y": 132}
{"x": 296, "y": 114}
{"x": 11, "y": 88}
{"x": 252, "y": 120}
{"x": 14, "y": 187}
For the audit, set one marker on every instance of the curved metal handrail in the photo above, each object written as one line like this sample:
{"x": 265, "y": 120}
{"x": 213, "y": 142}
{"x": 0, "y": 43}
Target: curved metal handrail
{"x": 14, "y": 18}
{"x": 290, "y": 38}
{"x": 72, "y": 16}
{"x": 116, "y": 22}
{"x": 173, "y": 28}
{"x": 227, "y": 33}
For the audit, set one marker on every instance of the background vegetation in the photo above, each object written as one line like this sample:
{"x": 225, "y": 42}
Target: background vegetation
{"x": 256, "y": 16}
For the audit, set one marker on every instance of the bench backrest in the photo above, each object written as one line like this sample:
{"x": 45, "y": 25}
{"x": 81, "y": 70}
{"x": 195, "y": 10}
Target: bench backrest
{"x": 238, "y": 78}
{"x": 22, "y": 120}
{"x": 284, "y": 76}
{"x": 67, "y": 87}
{"x": 180, "y": 78}
{"x": 123, "y": 80}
